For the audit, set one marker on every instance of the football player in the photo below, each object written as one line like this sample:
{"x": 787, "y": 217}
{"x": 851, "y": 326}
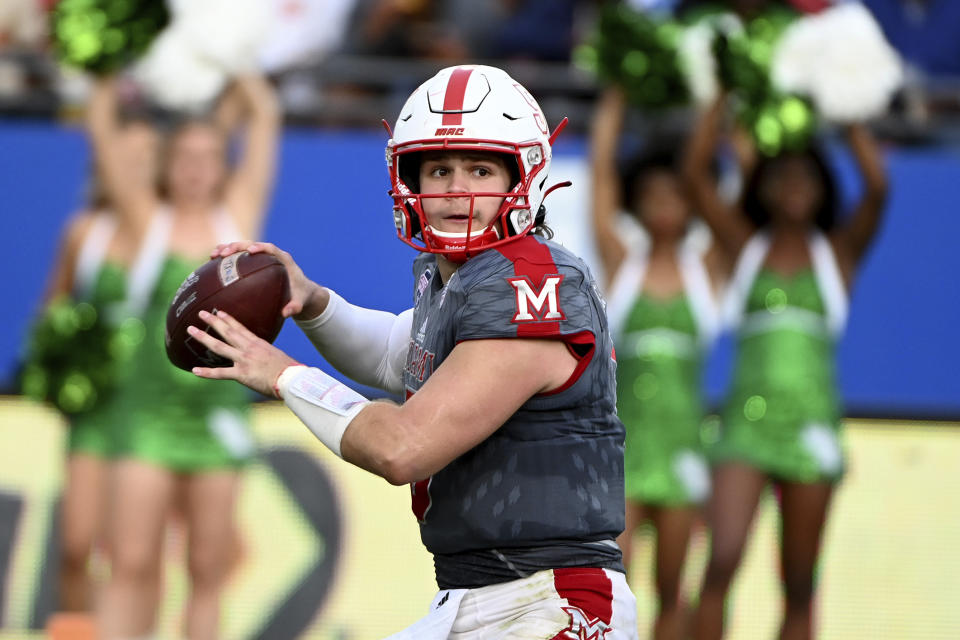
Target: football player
{"x": 508, "y": 434}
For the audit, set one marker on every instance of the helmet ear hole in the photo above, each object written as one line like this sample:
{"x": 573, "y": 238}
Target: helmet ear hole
{"x": 514, "y": 170}
{"x": 408, "y": 168}
{"x": 414, "y": 219}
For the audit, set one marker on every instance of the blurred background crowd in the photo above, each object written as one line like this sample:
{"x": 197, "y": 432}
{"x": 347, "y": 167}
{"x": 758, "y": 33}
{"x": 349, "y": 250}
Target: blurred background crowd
{"x": 348, "y": 62}
{"x": 262, "y": 118}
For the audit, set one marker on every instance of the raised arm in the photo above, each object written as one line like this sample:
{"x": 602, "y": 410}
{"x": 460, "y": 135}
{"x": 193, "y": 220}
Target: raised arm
{"x": 252, "y": 181}
{"x": 60, "y": 280}
{"x": 132, "y": 203}
{"x": 604, "y": 133}
{"x": 855, "y": 236}
{"x": 730, "y": 227}
{"x": 230, "y": 110}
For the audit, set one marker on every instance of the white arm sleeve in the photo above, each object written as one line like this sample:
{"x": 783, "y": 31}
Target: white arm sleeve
{"x": 366, "y": 345}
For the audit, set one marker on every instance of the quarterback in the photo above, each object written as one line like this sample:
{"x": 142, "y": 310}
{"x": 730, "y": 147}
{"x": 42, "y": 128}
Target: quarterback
{"x": 507, "y": 434}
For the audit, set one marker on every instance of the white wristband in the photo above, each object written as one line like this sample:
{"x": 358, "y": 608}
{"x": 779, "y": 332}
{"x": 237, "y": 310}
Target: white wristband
{"x": 322, "y": 403}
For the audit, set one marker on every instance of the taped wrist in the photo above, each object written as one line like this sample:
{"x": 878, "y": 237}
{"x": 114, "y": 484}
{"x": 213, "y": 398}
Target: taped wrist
{"x": 322, "y": 403}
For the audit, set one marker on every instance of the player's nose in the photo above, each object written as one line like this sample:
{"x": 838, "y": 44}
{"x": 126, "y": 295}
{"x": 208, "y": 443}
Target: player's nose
{"x": 459, "y": 181}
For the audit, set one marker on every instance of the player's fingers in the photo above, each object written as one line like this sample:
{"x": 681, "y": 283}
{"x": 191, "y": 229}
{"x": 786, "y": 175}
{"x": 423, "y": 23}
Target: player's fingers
{"x": 232, "y": 325}
{"x": 235, "y": 335}
{"x": 283, "y": 256}
{"x": 263, "y": 247}
{"x": 216, "y": 319}
{"x": 217, "y": 346}
{"x": 292, "y": 308}
{"x": 218, "y": 373}
{"x": 287, "y": 260}
{"x": 230, "y": 248}
{"x": 224, "y": 249}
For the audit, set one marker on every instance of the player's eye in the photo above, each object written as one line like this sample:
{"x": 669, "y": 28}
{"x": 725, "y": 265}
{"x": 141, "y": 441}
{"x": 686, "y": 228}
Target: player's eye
{"x": 482, "y": 171}
{"x": 438, "y": 171}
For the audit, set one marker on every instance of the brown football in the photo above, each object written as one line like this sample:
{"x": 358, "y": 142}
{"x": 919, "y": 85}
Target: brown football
{"x": 253, "y": 288}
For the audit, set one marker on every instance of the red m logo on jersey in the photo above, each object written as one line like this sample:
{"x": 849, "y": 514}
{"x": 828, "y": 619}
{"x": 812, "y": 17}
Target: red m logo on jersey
{"x": 584, "y": 628}
{"x": 537, "y": 304}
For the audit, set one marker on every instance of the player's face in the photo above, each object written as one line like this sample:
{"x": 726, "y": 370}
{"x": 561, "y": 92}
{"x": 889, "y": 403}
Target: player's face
{"x": 197, "y": 165}
{"x": 457, "y": 172}
{"x": 140, "y": 145}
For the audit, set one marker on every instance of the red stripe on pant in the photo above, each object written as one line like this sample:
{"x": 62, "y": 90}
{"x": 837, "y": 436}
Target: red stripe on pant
{"x": 591, "y": 591}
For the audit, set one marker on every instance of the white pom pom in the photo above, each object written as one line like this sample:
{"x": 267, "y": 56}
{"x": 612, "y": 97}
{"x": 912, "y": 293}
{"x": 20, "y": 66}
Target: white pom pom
{"x": 175, "y": 76}
{"x": 796, "y": 56}
{"x": 207, "y": 42}
{"x": 699, "y": 66}
{"x": 228, "y": 33}
{"x": 841, "y": 60}
{"x": 696, "y": 54}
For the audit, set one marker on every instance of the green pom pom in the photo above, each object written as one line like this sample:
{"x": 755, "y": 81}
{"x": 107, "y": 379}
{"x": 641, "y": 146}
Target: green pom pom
{"x": 74, "y": 355}
{"x": 64, "y": 321}
{"x": 782, "y": 123}
{"x": 76, "y": 394}
{"x": 127, "y": 338}
{"x": 744, "y": 57}
{"x": 34, "y": 383}
{"x": 638, "y": 53}
{"x": 103, "y": 36}
{"x": 585, "y": 57}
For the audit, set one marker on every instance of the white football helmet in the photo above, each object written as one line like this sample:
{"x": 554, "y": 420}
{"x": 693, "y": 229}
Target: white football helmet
{"x": 471, "y": 108}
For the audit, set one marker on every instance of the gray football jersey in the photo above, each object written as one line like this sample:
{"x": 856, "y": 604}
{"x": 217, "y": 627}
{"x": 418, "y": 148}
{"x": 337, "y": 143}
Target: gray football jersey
{"x": 546, "y": 489}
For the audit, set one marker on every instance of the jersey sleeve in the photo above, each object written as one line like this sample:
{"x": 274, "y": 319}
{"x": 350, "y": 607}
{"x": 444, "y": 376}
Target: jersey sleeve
{"x": 526, "y": 300}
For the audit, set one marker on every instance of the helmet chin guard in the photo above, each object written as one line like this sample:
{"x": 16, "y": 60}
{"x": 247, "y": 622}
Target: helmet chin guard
{"x": 480, "y": 109}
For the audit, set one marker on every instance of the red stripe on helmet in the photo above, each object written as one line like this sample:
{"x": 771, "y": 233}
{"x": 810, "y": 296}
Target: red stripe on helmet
{"x": 453, "y": 99}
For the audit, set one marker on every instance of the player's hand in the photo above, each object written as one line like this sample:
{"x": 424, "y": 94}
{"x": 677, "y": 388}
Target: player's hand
{"x": 228, "y": 248}
{"x": 256, "y": 362}
{"x": 307, "y": 298}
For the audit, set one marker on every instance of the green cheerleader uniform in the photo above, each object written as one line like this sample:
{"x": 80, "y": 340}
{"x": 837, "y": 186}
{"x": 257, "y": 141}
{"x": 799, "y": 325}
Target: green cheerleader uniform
{"x": 783, "y": 412}
{"x": 660, "y": 345}
{"x": 91, "y": 432}
{"x": 171, "y": 417}
{"x": 658, "y": 400}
